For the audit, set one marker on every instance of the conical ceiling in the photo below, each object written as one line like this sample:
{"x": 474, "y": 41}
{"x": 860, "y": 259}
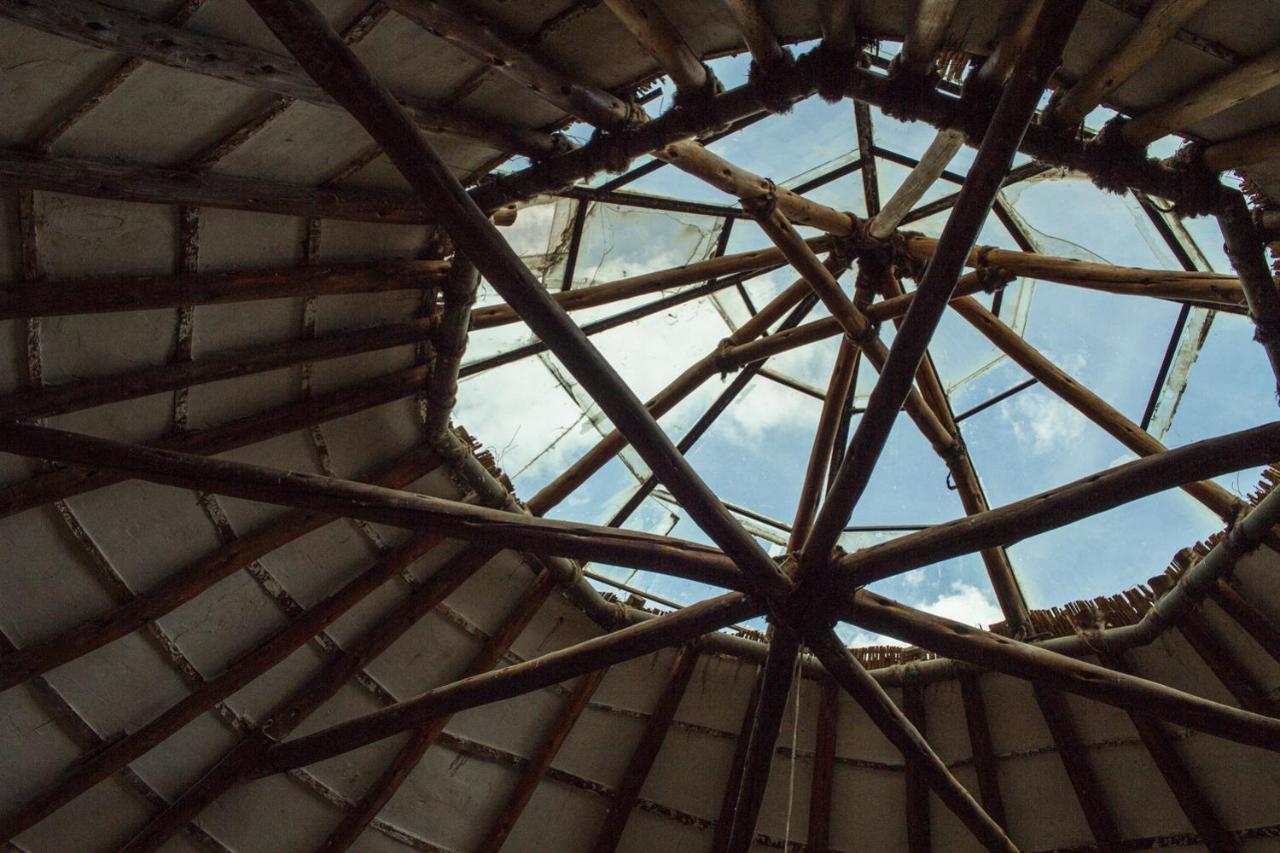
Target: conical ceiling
{"x": 332, "y": 518}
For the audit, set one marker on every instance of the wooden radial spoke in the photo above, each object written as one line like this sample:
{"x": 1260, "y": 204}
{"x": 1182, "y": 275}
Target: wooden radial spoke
{"x": 1244, "y": 247}
{"x": 1023, "y": 660}
{"x": 924, "y": 175}
{"x": 373, "y": 503}
{"x": 757, "y": 32}
{"x": 541, "y": 760}
{"x": 984, "y": 755}
{"x": 776, "y": 682}
{"x": 646, "y": 752}
{"x": 895, "y": 726}
{"x": 237, "y": 763}
{"x": 660, "y": 39}
{"x": 1160, "y": 24}
{"x": 321, "y": 51}
{"x": 410, "y": 755}
{"x": 1013, "y": 112}
{"x": 101, "y": 26}
{"x": 626, "y": 644}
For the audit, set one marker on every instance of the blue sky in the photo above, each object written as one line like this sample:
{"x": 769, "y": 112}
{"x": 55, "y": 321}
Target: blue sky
{"x": 537, "y": 421}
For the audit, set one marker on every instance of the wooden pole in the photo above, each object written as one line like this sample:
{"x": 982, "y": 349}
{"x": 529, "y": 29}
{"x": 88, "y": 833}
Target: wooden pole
{"x": 777, "y": 679}
{"x": 122, "y": 31}
{"x": 322, "y": 53}
{"x": 1015, "y": 109}
{"x": 1257, "y": 147}
{"x": 916, "y": 184}
{"x": 661, "y": 40}
{"x": 373, "y": 503}
{"x": 385, "y": 786}
{"x": 1022, "y": 660}
{"x": 757, "y": 33}
{"x": 1246, "y": 251}
{"x": 895, "y": 726}
{"x": 733, "y": 782}
{"x": 1075, "y": 760}
{"x": 1205, "y": 100}
{"x": 1062, "y": 505}
{"x": 540, "y": 761}
{"x": 1255, "y": 623}
{"x": 645, "y": 753}
{"x": 188, "y": 582}
{"x": 607, "y": 650}
{"x": 915, "y": 778}
{"x": 290, "y": 713}
{"x": 1093, "y": 407}
{"x": 1160, "y": 24}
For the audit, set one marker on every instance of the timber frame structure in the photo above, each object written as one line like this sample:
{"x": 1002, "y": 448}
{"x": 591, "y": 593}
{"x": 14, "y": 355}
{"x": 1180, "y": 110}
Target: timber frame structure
{"x": 435, "y": 513}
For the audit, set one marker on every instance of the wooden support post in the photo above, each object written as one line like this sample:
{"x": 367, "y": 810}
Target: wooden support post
{"x": 238, "y": 761}
{"x": 102, "y": 26}
{"x": 924, "y": 39}
{"x": 1160, "y": 24}
{"x": 776, "y": 681}
{"x": 916, "y": 785}
{"x": 540, "y": 761}
{"x": 1093, "y": 407}
{"x": 824, "y": 767}
{"x": 307, "y": 34}
{"x": 952, "y": 639}
{"x": 1205, "y": 100}
{"x": 386, "y": 785}
{"x": 1195, "y": 805}
{"x": 1015, "y": 109}
{"x": 1065, "y": 504}
{"x": 607, "y": 650}
{"x": 729, "y": 799}
{"x": 895, "y": 726}
{"x": 120, "y": 753}
{"x": 188, "y": 582}
{"x": 1075, "y": 760}
{"x": 984, "y": 754}
{"x": 375, "y": 504}
{"x": 646, "y": 752}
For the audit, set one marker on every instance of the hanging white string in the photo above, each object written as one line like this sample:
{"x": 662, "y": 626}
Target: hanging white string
{"x": 795, "y": 732}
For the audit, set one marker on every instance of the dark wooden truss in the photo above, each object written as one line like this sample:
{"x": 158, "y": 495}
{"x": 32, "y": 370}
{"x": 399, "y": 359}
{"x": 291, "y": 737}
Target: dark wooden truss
{"x": 803, "y": 595}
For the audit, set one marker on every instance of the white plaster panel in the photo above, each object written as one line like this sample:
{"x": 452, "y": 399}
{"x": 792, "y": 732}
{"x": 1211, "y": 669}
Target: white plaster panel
{"x": 225, "y": 621}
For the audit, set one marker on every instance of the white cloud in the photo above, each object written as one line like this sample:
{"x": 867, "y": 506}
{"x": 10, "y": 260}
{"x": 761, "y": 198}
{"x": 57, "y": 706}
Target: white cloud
{"x": 1043, "y": 423}
{"x": 964, "y": 603}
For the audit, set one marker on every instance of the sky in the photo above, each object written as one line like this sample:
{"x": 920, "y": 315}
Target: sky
{"x": 537, "y": 421}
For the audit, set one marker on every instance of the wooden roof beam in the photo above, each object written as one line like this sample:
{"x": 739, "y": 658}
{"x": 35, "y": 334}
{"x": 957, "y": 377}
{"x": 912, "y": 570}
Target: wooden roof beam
{"x": 632, "y": 642}
{"x": 1093, "y": 407}
{"x": 1158, "y": 26}
{"x": 966, "y": 643}
{"x": 895, "y": 726}
{"x": 1204, "y": 101}
{"x": 646, "y": 752}
{"x": 733, "y": 783}
{"x": 101, "y": 26}
{"x": 978, "y": 726}
{"x": 321, "y": 51}
{"x": 1067, "y": 503}
{"x": 824, "y": 766}
{"x": 371, "y": 503}
{"x": 757, "y": 33}
{"x": 191, "y": 580}
{"x": 1008, "y": 124}
{"x": 540, "y": 761}
{"x": 659, "y": 37}
{"x": 237, "y": 763}
{"x": 410, "y": 755}
{"x": 924, "y": 39}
